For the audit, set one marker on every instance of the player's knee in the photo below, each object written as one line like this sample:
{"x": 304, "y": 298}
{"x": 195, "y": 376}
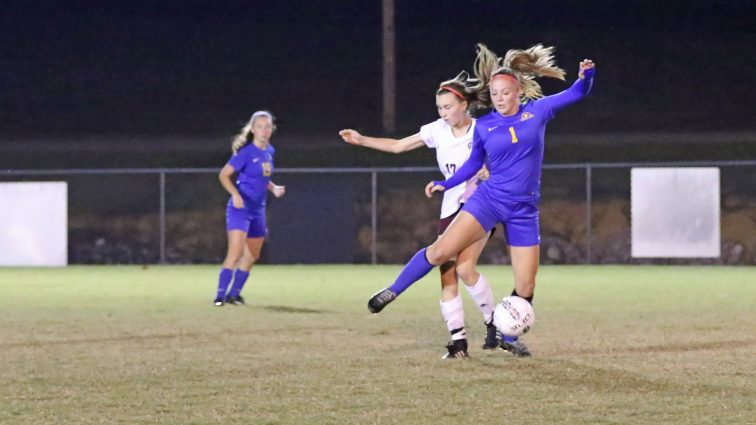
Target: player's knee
{"x": 467, "y": 273}
{"x": 436, "y": 255}
{"x": 232, "y": 259}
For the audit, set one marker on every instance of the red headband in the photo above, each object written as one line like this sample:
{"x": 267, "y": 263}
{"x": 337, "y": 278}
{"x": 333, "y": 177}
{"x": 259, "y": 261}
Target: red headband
{"x": 511, "y": 77}
{"x": 453, "y": 91}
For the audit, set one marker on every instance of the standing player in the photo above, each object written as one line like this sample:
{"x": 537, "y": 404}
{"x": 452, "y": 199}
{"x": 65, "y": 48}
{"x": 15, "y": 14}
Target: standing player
{"x": 245, "y": 212}
{"x": 511, "y": 138}
{"x": 451, "y": 136}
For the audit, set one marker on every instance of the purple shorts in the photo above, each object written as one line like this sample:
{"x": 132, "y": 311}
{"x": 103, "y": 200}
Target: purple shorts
{"x": 252, "y": 222}
{"x": 444, "y": 223}
{"x": 520, "y": 219}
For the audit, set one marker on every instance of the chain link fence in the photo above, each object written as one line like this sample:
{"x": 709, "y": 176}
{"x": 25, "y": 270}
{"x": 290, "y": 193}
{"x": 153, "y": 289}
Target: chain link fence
{"x": 364, "y": 215}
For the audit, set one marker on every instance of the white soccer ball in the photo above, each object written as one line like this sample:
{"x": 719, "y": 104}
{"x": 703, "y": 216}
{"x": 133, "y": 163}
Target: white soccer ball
{"x": 513, "y": 316}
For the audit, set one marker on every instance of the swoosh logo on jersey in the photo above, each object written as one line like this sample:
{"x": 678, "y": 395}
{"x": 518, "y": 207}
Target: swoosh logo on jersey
{"x": 256, "y": 160}
{"x": 493, "y": 128}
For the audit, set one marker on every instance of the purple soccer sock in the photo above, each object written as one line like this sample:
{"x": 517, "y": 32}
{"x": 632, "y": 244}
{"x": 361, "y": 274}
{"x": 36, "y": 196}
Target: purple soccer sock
{"x": 417, "y": 267}
{"x": 223, "y": 280}
{"x": 240, "y": 278}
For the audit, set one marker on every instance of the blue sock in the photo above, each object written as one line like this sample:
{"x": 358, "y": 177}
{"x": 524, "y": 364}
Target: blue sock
{"x": 223, "y": 280}
{"x": 417, "y": 267}
{"x": 240, "y": 278}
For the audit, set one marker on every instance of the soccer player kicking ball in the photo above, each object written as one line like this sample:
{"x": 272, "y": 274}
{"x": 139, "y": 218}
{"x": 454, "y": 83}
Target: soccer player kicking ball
{"x": 511, "y": 137}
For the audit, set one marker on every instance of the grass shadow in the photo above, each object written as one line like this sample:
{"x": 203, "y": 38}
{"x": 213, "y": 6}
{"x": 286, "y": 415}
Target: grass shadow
{"x": 290, "y": 309}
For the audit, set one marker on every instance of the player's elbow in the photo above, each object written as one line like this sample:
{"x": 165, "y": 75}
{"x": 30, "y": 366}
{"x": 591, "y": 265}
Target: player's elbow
{"x": 224, "y": 176}
{"x": 398, "y": 148}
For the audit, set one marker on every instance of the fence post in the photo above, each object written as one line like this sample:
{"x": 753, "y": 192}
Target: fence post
{"x": 373, "y": 216}
{"x": 588, "y": 213}
{"x": 162, "y": 217}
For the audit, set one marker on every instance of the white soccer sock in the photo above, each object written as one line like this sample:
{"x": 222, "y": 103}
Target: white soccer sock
{"x": 454, "y": 315}
{"x": 482, "y": 294}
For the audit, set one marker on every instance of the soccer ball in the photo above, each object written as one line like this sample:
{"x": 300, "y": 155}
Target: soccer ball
{"x": 513, "y": 316}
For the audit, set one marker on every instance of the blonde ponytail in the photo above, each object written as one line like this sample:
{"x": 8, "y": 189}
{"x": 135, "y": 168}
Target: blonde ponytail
{"x": 524, "y": 65}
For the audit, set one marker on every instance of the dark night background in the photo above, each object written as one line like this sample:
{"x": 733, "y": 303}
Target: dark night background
{"x": 167, "y": 83}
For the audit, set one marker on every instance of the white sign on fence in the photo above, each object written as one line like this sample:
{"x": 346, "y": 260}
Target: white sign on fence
{"x": 34, "y": 224}
{"x": 675, "y": 212}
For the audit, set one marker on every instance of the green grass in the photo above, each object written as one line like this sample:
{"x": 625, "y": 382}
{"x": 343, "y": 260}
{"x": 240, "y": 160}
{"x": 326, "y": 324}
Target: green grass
{"x": 612, "y": 345}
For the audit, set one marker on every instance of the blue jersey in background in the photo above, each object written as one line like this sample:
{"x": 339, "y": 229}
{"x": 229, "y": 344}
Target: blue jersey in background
{"x": 254, "y": 166}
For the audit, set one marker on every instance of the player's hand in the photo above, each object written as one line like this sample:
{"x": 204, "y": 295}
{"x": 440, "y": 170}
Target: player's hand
{"x": 237, "y": 201}
{"x": 483, "y": 174}
{"x": 433, "y": 187}
{"x": 353, "y": 137}
{"x": 278, "y": 191}
{"x": 585, "y": 65}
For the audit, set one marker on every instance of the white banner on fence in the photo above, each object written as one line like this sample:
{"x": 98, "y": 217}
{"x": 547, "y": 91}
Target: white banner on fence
{"x": 675, "y": 212}
{"x": 34, "y": 224}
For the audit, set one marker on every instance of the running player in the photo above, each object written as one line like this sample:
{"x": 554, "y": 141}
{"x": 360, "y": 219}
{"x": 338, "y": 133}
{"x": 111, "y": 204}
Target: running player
{"x": 245, "y": 211}
{"x": 511, "y": 139}
{"x": 451, "y": 136}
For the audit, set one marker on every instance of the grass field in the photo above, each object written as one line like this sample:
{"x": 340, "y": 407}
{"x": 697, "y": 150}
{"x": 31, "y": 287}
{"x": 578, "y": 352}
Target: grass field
{"x": 611, "y": 345}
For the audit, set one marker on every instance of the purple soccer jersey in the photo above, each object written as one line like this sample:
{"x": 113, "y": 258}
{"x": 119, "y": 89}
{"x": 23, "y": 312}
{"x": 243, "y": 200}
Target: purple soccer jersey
{"x": 514, "y": 145}
{"x": 514, "y": 149}
{"x": 254, "y": 166}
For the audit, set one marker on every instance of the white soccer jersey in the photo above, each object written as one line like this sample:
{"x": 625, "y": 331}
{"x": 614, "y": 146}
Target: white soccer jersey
{"x": 451, "y": 153}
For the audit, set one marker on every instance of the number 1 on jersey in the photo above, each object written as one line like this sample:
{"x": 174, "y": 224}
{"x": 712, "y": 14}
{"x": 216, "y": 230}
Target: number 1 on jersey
{"x": 514, "y": 135}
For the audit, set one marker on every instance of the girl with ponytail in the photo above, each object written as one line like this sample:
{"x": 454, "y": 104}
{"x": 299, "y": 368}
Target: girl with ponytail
{"x": 451, "y": 137}
{"x": 511, "y": 140}
{"x": 252, "y": 163}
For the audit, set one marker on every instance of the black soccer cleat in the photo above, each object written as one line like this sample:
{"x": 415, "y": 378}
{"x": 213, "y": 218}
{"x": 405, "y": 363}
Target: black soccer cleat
{"x": 237, "y": 300}
{"x": 381, "y": 299}
{"x": 492, "y": 339}
{"x": 218, "y": 302}
{"x": 457, "y": 350}
{"x": 515, "y": 347}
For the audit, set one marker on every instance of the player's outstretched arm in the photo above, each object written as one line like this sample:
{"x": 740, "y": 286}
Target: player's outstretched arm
{"x": 580, "y": 89}
{"x": 353, "y": 137}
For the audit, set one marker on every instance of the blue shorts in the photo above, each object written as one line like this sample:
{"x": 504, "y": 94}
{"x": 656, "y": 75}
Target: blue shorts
{"x": 250, "y": 221}
{"x": 520, "y": 219}
{"x": 445, "y": 222}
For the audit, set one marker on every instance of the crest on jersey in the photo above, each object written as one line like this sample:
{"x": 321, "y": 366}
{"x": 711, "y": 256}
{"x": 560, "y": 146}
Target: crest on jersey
{"x": 526, "y": 116}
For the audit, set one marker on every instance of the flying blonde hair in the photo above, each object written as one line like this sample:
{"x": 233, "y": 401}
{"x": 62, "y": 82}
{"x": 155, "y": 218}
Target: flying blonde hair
{"x": 524, "y": 65}
{"x": 246, "y": 134}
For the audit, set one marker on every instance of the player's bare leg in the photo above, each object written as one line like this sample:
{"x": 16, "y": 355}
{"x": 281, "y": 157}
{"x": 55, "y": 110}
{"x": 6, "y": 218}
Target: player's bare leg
{"x": 525, "y": 267}
{"x": 252, "y": 249}
{"x": 478, "y": 288}
{"x": 462, "y": 232}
